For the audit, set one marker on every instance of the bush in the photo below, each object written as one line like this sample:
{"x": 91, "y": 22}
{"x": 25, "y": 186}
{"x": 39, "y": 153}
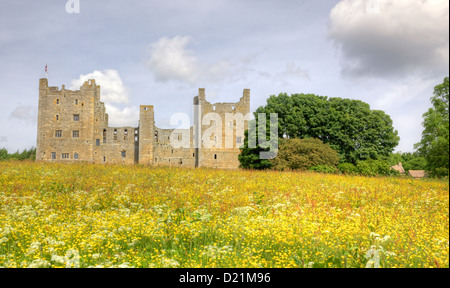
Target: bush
{"x": 301, "y": 154}
{"x": 440, "y": 172}
{"x": 348, "y": 168}
{"x": 323, "y": 169}
{"x": 419, "y": 163}
{"x": 375, "y": 168}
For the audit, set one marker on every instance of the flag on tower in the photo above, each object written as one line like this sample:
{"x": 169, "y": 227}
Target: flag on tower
{"x": 46, "y": 71}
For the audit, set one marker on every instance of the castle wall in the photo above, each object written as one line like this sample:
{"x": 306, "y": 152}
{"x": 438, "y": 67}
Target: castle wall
{"x": 221, "y": 149}
{"x": 73, "y": 127}
{"x": 167, "y": 155}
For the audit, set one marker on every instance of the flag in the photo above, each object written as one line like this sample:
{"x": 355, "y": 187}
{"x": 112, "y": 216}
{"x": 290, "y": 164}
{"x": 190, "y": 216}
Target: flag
{"x": 46, "y": 70}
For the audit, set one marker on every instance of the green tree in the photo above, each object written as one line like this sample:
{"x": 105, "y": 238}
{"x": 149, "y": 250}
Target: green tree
{"x": 250, "y": 157}
{"x": 348, "y": 126}
{"x": 302, "y": 154}
{"x": 4, "y": 154}
{"x": 24, "y": 155}
{"x": 434, "y": 145}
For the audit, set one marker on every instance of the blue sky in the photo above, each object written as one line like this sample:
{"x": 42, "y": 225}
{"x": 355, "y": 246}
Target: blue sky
{"x": 388, "y": 53}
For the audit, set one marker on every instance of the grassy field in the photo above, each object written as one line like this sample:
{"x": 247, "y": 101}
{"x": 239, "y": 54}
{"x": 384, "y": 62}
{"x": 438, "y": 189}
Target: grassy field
{"x": 54, "y": 215}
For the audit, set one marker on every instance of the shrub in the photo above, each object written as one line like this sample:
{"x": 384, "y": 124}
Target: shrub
{"x": 374, "y": 168}
{"x": 301, "y": 154}
{"x": 323, "y": 169}
{"x": 348, "y": 168}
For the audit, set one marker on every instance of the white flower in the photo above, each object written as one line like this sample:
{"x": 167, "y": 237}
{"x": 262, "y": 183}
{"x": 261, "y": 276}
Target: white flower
{"x": 59, "y": 259}
{"x": 124, "y": 265}
{"x": 96, "y": 256}
{"x": 169, "y": 263}
{"x": 39, "y": 263}
{"x": 385, "y": 238}
{"x": 75, "y": 259}
{"x": 374, "y": 254}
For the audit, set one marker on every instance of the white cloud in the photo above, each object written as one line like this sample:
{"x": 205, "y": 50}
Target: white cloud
{"x": 26, "y": 113}
{"x": 170, "y": 60}
{"x": 114, "y": 94}
{"x": 402, "y": 93}
{"x": 292, "y": 71}
{"x": 392, "y": 37}
{"x": 120, "y": 117}
{"x": 112, "y": 88}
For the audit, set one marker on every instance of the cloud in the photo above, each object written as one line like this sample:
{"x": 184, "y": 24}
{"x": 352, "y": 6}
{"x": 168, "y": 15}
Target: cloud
{"x": 402, "y": 92}
{"x": 170, "y": 60}
{"x": 384, "y": 38}
{"x": 25, "y": 113}
{"x": 114, "y": 94}
{"x": 120, "y": 117}
{"x": 112, "y": 88}
{"x": 291, "y": 72}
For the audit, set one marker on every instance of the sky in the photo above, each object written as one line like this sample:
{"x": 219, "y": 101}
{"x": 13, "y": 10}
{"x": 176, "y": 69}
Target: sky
{"x": 387, "y": 53}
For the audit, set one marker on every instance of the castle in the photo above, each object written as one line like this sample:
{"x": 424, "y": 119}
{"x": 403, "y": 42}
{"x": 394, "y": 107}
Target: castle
{"x": 73, "y": 127}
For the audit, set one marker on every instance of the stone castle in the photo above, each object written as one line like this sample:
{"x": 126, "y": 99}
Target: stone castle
{"x": 73, "y": 127}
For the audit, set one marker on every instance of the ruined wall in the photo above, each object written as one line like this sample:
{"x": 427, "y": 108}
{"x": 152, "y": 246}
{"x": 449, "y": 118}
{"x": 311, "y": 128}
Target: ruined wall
{"x": 167, "y": 155}
{"x": 220, "y": 148}
{"x": 73, "y": 127}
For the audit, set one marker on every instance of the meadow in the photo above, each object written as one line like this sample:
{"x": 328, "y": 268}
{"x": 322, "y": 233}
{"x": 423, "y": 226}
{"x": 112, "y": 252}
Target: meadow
{"x": 56, "y": 215}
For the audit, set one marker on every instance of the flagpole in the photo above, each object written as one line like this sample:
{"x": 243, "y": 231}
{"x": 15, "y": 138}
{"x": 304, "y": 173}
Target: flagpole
{"x": 46, "y": 70}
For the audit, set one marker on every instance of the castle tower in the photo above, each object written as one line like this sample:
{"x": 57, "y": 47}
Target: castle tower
{"x": 221, "y": 148}
{"x": 66, "y": 122}
{"x": 146, "y": 134}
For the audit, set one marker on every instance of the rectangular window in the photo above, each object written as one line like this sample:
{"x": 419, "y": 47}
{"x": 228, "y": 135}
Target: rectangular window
{"x": 57, "y": 101}
{"x": 57, "y": 117}
{"x": 238, "y": 140}
{"x": 53, "y": 155}
{"x": 76, "y": 102}
{"x": 65, "y": 156}
{"x": 97, "y": 142}
{"x": 58, "y": 133}
{"x": 75, "y": 156}
{"x": 124, "y": 153}
{"x": 75, "y": 134}
{"x": 76, "y": 117}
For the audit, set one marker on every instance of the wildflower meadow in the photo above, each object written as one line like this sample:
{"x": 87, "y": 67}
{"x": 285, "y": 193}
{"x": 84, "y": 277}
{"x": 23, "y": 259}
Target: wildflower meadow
{"x": 85, "y": 215}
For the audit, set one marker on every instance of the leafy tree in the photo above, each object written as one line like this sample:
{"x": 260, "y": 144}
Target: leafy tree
{"x": 4, "y": 154}
{"x": 410, "y": 161}
{"x": 348, "y": 126}
{"x": 434, "y": 145}
{"x": 418, "y": 163}
{"x": 250, "y": 157}
{"x": 301, "y": 154}
{"x": 24, "y": 155}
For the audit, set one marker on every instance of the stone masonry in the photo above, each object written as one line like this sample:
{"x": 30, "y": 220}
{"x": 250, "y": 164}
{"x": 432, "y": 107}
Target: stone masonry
{"x": 73, "y": 127}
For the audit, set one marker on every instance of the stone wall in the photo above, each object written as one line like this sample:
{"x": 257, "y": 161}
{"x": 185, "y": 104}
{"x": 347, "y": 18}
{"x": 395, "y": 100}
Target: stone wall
{"x": 73, "y": 127}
